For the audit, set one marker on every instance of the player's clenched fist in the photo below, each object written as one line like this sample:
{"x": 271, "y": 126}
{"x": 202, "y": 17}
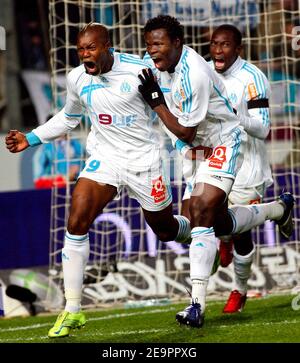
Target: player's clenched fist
{"x": 16, "y": 141}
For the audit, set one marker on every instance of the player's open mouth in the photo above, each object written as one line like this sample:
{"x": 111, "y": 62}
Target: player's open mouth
{"x": 156, "y": 61}
{"x": 90, "y": 67}
{"x": 219, "y": 63}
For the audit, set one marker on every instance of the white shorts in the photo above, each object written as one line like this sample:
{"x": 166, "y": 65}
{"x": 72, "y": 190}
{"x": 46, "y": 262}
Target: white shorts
{"x": 219, "y": 170}
{"x": 246, "y": 196}
{"x": 151, "y": 188}
{"x": 218, "y": 181}
{"x": 225, "y": 161}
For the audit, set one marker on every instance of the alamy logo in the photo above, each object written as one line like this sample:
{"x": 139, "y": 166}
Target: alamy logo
{"x": 2, "y": 38}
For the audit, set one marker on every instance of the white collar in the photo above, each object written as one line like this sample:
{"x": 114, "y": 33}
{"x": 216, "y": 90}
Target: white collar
{"x": 236, "y": 65}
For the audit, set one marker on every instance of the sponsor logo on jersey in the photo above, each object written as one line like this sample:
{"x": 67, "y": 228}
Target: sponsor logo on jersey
{"x": 218, "y": 157}
{"x": 179, "y": 97}
{"x": 158, "y": 191}
{"x": 252, "y": 91}
{"x": 183, "y": 96}
{"x": 125, "y": 87}
{"x": 117, "y": 120}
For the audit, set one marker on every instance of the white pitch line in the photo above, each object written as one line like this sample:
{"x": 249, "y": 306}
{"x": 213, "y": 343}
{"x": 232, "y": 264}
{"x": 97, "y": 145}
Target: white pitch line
{"x": 144, "y": 331}
{"x": 120, "y": 333}
{"x": 125, "y": 315}
{"x": 96, "y": 333}
{"x": 107, "y": 317}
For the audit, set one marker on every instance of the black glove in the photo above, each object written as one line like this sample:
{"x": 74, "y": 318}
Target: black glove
{"x": 150, "y": 89}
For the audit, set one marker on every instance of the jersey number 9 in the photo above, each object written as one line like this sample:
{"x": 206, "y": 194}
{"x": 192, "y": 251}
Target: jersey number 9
{"x": 105, "y": 119}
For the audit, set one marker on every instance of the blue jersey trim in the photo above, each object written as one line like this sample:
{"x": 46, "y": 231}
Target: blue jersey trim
{"x": 72, "y": 115}
{"x": 32, "y": 139}
{"x": 90, "y": 88}
{"x": 179, "y": 144}
{"x": 224, "y": 99}
{"x": 132, "y": 59}
{"x": 186, "y": 84}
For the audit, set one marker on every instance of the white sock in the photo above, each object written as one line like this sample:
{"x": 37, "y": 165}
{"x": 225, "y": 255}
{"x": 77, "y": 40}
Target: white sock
{"x": 75, "y": 255}
{"x": 245, "y": 217}
{"x": 199, "y": 288}
{"x": 184, "y": 230}
{"x": 242, "y": 270}
{"x": 202, "y": 254}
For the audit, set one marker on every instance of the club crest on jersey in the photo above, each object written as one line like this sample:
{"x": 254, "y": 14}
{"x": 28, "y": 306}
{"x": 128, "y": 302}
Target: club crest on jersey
{"x": 233, "y": 98}
{"x": 158, "y": 191}
{"x": 125, "y": 87}
{"x": 103, "y": 79}
{"x": 218, "y": 157}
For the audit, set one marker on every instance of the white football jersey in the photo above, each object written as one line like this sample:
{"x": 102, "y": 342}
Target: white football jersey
{"x": 245, "y": 82}
{"x": 197, "y": 97}
{"x": 122, "y": 130}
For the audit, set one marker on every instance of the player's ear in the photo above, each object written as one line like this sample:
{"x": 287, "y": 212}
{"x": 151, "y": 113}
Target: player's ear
{"x": 108, "y": 46}
{"x": 239, "y": 49}
{"x": 177, "y": 43}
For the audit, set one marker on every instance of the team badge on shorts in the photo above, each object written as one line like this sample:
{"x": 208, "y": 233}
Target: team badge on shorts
{"x": 158, "y": 191}
{"x": 218, "y": 157}
{"x": 255, "y": 201}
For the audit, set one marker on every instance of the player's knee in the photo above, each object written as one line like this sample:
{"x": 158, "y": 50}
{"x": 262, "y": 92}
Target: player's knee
{"x": 202, "y": 212}
{"x": 198, "y": 207}
{"x": 77, "y": 225}
{"x": 166, "y": 236}
{"x": 243, "y": 243}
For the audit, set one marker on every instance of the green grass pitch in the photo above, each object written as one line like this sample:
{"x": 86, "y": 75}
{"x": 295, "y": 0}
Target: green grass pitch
{"x": 265, "y": 320}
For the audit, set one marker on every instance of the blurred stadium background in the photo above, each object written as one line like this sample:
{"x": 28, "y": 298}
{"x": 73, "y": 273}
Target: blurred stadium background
{"x": 127, "y": 263}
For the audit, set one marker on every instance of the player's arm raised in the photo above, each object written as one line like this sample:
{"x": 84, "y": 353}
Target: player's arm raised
{"x": 153, "y": 95}
{"x": 60, "y": 124}
{"x": 16, "y": 141}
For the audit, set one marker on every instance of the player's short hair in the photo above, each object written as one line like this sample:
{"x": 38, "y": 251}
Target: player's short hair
{"x": 92, "y": 26}
{"x": 167, "y": 22}
{"x": 230, "y": 28}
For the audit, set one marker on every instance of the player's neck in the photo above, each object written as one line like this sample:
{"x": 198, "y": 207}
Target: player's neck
{"x": 176, "y": 61}
{"x": 108, "y": 64}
